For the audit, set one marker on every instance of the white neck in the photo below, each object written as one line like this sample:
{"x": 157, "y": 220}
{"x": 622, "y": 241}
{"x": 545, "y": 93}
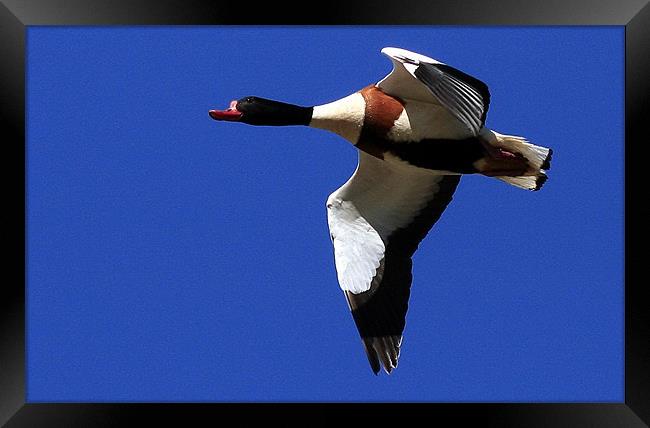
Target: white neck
{"x": 343, "y": 117}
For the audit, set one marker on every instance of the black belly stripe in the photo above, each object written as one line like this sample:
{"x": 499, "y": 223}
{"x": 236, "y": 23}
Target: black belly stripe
{"x": 441, "y": 154}
{"x": 437, "y": 154}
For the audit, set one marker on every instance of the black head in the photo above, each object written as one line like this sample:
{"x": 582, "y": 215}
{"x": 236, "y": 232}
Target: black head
{"x": 260, "y": 111}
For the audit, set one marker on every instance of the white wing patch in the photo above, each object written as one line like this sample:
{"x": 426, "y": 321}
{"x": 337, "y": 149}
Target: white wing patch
{"x": 378, "y": 199}
{"x": 358, "y": 248}
{"x": 408, "y": 56}
{"x": 402, "y": 83}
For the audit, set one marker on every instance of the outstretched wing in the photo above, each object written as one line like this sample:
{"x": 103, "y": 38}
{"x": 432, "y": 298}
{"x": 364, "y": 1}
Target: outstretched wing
{"x": 377, "y": 220}
{"x": 421, "y": 78}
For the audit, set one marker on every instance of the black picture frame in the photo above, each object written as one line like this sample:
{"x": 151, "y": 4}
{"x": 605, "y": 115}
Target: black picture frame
{"x": 16, "y": 15}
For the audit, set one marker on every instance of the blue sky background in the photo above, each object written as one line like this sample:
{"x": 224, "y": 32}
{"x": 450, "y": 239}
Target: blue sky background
{"x": 174, "y": 258}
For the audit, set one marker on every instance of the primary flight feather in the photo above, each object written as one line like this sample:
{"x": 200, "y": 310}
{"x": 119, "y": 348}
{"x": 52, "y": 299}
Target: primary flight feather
{"x": 417, "y": 131}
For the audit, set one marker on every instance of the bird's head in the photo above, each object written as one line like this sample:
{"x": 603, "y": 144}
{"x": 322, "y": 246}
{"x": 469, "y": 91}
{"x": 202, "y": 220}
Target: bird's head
{"x": 260, "y": 111}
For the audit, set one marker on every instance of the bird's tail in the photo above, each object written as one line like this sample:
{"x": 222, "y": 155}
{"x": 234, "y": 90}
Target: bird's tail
{"x": 514, "y": 160}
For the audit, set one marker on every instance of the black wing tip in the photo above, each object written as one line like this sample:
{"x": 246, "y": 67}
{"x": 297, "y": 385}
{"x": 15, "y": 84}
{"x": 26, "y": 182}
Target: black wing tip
{"x": 373, "y": 358}
{"x": 547, "y": 162}
{"x": 379, "y": 355}
{"x": 541, "y": 179}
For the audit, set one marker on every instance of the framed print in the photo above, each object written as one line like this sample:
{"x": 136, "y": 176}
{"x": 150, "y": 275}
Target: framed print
{"x": 171, "y": 265}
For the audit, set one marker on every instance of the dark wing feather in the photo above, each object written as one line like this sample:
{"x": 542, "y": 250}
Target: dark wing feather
{"x": 380, "y": 313}
{"x": 466, "y": 97}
